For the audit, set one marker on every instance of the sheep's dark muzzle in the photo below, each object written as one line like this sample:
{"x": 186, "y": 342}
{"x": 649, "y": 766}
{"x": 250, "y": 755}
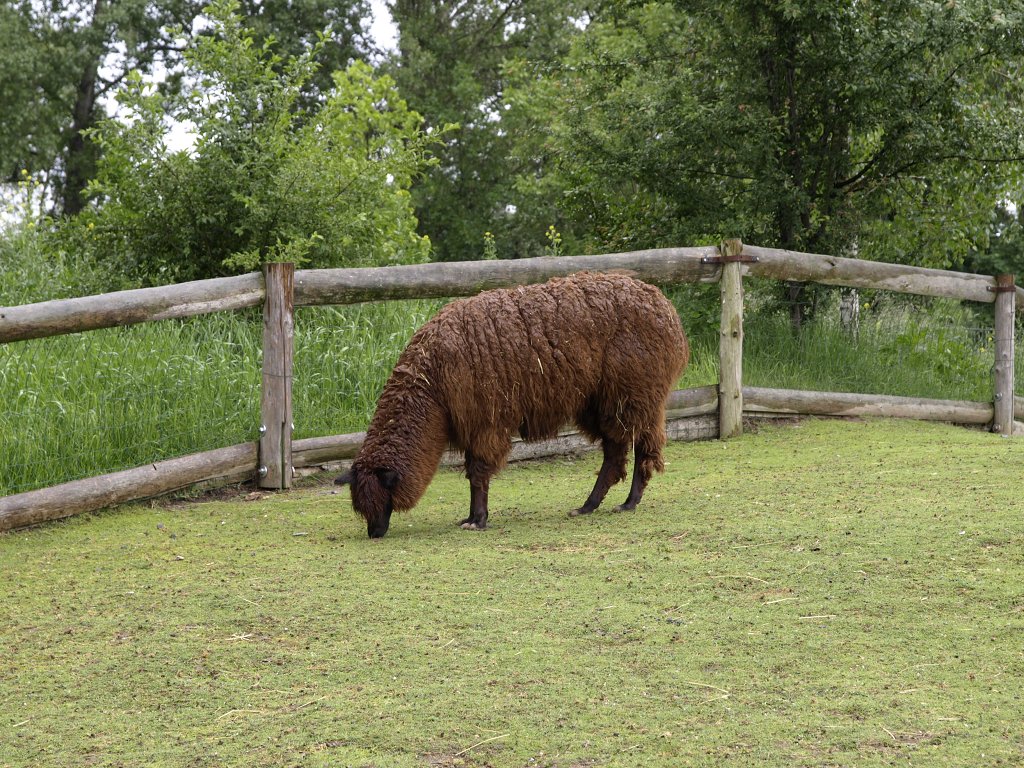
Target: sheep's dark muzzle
{"x": 376, "y": 529}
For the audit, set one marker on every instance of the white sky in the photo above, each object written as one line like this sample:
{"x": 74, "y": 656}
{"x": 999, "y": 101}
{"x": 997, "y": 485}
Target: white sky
{"x": 382, "y": 28}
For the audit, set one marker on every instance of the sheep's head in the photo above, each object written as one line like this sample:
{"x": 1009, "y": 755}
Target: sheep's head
{"x": 372, "y": 496}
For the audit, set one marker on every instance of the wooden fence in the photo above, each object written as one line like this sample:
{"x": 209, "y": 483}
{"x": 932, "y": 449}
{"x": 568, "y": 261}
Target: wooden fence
{"x": 701, "y": 412}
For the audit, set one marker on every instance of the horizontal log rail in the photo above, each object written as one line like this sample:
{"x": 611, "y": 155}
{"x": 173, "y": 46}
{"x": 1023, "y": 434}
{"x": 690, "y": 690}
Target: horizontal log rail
{"x": 759, "y": 400}
{"x": 661, "y": 266}
{"x": 142, "y": 305}
{"x": 466, "y": 278}
{"x": 794, "y": 266}
{"x": 340, "y": 286}
{"x": 311, "y": 451}
{"x": 90, "y": 494}
{"x": 696, "y": 401}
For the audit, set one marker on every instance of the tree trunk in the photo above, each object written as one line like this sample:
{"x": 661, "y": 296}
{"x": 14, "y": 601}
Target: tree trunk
{"x": 779, "y": 69}
{"x": 794, "y": 293}
{"x": 795, "y": 299}
{"x": 80, "y": 156}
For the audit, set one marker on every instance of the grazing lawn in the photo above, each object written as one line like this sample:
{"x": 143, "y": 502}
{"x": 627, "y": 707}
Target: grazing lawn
{"x": 830, "y": 593}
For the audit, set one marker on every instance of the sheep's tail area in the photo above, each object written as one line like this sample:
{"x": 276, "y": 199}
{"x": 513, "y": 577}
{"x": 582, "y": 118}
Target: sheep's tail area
{"x": 661, "y": 353}
{"x": 650, "y": 446}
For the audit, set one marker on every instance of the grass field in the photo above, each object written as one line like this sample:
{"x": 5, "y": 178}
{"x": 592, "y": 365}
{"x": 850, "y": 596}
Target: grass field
{"x": 822, "y": 594}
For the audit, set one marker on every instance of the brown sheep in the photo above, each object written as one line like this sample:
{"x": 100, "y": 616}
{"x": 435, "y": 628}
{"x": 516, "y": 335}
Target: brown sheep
{"x": 599, "y": 350}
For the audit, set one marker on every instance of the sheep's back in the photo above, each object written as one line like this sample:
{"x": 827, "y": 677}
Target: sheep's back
{"x": 530, "y": 358}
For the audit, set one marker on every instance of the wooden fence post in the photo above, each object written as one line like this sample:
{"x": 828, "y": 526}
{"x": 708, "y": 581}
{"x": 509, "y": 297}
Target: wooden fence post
{"x": 730, "y": 349}
{"x": 275, "y": 457}
{"x": 1003, "y": 369}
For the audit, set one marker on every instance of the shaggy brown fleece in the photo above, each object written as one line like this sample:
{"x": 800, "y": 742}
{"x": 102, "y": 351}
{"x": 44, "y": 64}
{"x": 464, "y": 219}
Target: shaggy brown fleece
{"x": 602, "y": 351}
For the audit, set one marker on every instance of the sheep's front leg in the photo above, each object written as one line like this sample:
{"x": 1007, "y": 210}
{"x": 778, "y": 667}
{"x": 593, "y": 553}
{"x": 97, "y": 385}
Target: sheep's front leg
{"x": 479, "y": 475}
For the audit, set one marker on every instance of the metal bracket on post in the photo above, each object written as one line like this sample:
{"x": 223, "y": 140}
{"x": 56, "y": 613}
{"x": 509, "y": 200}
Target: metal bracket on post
{"x": 997, "y": 289}
{"x": 730, "y": 255}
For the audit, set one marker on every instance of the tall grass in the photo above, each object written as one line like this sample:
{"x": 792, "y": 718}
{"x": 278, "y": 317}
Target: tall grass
{"x": 95, "y": 402}
{"x": 86, "y": 404}
{"x": 933, "y": 351}
{"x": 343, "y": 356}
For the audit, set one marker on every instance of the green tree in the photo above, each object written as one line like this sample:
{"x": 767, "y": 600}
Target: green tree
{"x": 61, "y": 62}
{"x": 1004, "y": 252}
{"x": 840, "y": 126}
{"x": 335, "y": 27}
{"x": 27, "y": 141}
{"x": 452, "y": 66}
{"x": 265, "y": 181}
{"x": 74, "y": 55}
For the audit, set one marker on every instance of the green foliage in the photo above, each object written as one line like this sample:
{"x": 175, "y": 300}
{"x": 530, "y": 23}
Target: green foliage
{"x": 699, "y": 307}
{"x": 295, "y": 26}
{"x": 607, "y": 165}
{"x": 265, "y": 180}
{"x": 26, "y": 274}
{"x": 1004, "y": 251}
{"x": 452, "y": 67}
{"x": 32, "y": 267}
{"x": 816, "y": 125}
{"x": 58, "y": 62}
{"x": 29, "y": 95}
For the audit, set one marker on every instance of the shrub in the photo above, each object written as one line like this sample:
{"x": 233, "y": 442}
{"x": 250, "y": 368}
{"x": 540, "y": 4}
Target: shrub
{"x": 265, "y": 180}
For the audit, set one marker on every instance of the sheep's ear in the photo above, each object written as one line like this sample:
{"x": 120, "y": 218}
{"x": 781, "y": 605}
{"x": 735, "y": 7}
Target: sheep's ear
{"x": 345, "y": 479}
{"x": 388, "y": 478}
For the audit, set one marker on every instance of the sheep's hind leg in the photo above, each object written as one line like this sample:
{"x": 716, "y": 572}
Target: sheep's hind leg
{"x": 479, "y": 475}
{"x": 644, "y": 462}
{"x": 613, "y": 469}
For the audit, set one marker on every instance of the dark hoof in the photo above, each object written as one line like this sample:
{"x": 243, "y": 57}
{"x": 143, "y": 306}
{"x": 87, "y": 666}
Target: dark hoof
{"x": 625, "y": 507}
{"x": 580, "y": 511}
{"x": 469, "y": 525}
